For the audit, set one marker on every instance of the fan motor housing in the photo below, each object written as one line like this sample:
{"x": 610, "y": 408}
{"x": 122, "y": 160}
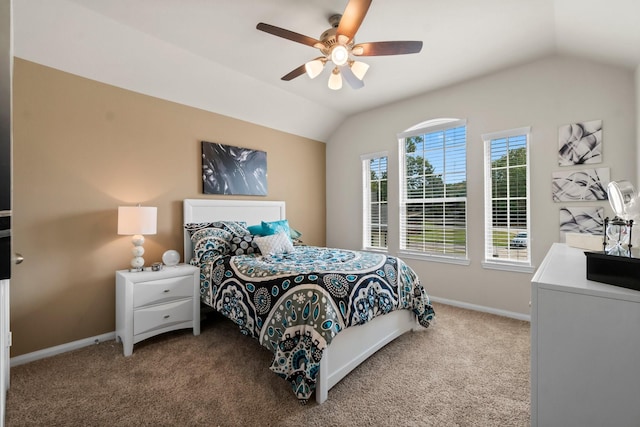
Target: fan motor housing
{"x": 328, "y": 38}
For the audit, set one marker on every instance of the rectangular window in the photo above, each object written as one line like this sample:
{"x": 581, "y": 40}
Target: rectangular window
{"x": 433, "y": 202}
{"x": 374, "y": 168}
{"x": 507, "y": 223}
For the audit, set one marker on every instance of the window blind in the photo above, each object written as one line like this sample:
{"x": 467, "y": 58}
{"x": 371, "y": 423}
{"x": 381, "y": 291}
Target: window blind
{"x": 433, "y": 217}
{"x": 375, "y": 205}
{"x": 507, "y": 233}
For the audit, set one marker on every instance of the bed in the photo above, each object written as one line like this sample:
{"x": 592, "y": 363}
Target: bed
{"x": 302, "y": 312}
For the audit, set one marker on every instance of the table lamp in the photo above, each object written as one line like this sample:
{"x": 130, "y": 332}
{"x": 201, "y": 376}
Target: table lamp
{"x": 137, "y": 221}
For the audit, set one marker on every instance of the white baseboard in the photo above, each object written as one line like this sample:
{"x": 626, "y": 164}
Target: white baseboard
{"x": 482, "y": 308}
{"x": 59, "y": 349}
{"x": 63, "y": 348}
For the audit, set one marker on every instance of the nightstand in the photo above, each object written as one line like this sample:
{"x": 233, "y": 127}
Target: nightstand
{"x": 149, "y": 303}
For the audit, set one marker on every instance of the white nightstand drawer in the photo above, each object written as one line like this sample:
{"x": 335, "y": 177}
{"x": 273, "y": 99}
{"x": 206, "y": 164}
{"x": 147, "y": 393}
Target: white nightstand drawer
{"x": 158, "y": 291}
{"x": 161, "y": 316}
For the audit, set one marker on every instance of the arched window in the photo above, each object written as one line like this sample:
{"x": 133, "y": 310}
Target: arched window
{"x": 433, "y": 190}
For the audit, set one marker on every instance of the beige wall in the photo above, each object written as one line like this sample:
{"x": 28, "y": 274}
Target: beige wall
{"x": 81, "y": 149}
{"x": 544, "y": 95}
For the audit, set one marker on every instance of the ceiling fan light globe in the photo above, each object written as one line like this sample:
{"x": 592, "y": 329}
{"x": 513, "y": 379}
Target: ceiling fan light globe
{"x": 339, "y": 55}
{"x": 359, "y": 69}
{"x": 335, "y": 80}
{"x": 314, "y": 68}
{"x": 357, "y": 50}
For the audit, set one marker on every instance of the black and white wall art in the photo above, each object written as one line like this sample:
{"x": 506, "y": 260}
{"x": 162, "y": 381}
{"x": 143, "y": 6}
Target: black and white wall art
{"x": 233, "y": 170}
{"x": 580, "y": 185}
{"x": 580, "y": 143}
{"x": 589, "y": 220}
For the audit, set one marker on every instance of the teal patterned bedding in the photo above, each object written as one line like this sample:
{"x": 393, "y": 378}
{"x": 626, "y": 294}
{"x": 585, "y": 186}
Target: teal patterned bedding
{"x": 295, "y": 303}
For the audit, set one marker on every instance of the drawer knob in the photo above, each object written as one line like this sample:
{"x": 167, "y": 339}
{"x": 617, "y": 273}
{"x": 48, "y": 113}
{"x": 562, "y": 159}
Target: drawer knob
{"x": 166, "y": 316}
{"x": 166, "y": 291}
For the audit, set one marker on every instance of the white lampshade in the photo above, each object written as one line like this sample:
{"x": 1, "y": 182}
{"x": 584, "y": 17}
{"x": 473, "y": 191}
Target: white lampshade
{"x": 359, "y": 69}
{"x": 314, "y": 68}
{"x": 335, "y": 80}
{"x": 137, "y": 220}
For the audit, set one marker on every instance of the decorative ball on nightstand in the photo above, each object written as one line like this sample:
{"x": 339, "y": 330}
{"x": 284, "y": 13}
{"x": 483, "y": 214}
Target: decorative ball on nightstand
{"x": 171, "y": 258}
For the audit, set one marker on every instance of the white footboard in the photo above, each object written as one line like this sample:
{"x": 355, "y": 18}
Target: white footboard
{"x": 355, "y": 344}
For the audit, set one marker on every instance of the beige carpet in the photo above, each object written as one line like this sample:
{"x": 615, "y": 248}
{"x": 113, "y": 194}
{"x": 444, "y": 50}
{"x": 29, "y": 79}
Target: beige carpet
{"x": 469, "y": 369}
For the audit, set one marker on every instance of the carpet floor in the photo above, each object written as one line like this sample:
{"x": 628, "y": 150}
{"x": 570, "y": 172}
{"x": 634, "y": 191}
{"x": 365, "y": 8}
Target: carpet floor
{"x": 467, "y": 369}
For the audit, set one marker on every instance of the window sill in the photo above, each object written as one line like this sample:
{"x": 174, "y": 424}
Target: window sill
{"x": 376, "y": 250}
{"x": 433, "y": 258}
{"x": 504, "y": 266}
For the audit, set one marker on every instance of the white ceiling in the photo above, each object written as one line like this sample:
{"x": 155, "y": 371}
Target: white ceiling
{"x": 208, "y": 53}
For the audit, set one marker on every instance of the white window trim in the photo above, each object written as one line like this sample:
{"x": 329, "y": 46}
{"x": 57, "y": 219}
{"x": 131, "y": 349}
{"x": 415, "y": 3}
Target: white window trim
{"x": 508, "y": 266}
{"x": 434, "y": 258}
{"x": 428, "y": 126}
{"x": 431, "y": 126}
{"x": 491, "y": 263}
{"x": 366, "y": 200}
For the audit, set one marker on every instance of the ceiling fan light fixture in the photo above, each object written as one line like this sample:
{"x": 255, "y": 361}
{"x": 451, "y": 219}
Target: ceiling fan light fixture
{"x": 359, "y": 69}
{"x": 339, "y": 55}
{"x": 335, "y": 80}
{"x": 357, "y": 50}
{"x": 337, "y": 44}
{"x": 314, "y": 68}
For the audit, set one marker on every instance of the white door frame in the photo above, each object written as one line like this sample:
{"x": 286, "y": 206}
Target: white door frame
{"x": 5, "y": 343}
{"x": 6, "y": 74}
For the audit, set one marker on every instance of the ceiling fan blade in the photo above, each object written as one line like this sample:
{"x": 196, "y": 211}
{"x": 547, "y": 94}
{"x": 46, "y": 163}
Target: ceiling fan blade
{"x": 295, "y": 73}
{"x": 387, "y": 48}
{"x": 352, "y": 17}
{"x": 351, "y": 78}
{"x": 286, "y": 34}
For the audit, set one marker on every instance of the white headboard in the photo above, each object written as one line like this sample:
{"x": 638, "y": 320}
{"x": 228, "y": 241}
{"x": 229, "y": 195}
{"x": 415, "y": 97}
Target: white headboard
{"x": 207, "y": 210}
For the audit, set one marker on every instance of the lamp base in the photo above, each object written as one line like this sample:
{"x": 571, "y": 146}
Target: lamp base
{"x": 137, "y": 263}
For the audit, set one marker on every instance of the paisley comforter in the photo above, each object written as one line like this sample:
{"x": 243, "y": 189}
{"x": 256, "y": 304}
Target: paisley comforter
{"x": 295, "y": 303}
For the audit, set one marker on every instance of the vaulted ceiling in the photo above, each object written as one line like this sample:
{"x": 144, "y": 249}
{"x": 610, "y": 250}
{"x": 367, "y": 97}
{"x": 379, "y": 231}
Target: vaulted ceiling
{"x": 208, "y": 53}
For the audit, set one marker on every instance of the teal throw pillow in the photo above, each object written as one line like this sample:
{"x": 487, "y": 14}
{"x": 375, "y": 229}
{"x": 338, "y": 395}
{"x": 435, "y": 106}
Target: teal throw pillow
{"x": 256, "y": 230}
{"x": 274, "y": 227}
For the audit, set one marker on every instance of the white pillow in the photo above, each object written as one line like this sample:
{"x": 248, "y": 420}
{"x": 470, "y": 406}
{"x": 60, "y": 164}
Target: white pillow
{"x": 275, "y": 244}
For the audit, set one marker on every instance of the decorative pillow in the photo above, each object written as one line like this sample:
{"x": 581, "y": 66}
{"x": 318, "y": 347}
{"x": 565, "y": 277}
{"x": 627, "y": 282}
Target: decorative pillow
{"x": 238, "y": 228}
{"x": 213, "y": 239}
{"x": 244, "y": 245}
{"x": 210, "y": 242}
{"x": 274, "y": 244}
{"x": 274, "y": 227}
{"x": 256, "y": 230}
{"x": 294, "y": 234}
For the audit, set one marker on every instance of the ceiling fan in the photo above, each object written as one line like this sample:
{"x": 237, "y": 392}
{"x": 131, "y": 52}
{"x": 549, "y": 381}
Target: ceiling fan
{"x": 337, "y": 45}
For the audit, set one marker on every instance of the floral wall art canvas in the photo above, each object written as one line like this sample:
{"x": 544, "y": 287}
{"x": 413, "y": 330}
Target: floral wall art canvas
{"x": 233, "y": 170}
{"x": 580, "y": 143}
{"x": 580, "y": 185}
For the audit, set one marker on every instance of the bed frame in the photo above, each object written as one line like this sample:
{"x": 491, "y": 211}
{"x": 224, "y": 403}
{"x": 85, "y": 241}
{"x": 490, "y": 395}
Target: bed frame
{"x": 351, "y": 346}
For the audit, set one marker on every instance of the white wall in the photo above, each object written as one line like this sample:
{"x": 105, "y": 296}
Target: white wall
{"x": 638, "y": 122}
{"x": 544, "y": 95}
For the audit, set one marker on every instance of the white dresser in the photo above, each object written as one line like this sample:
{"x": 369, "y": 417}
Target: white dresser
{"x": 149, "y": 303}
{"x": 585, "y": 346}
